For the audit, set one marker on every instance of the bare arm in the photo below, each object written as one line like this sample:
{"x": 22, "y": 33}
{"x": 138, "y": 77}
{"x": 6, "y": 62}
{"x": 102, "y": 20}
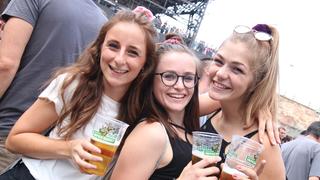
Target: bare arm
{"x": 14, "y": 39}
{"x": 25, "y": 137}
{"x": 207, "y": 105}
{"x": 141, "y": 152}
{"x": 314, "y": 178}
{"x": 274, "y": 167}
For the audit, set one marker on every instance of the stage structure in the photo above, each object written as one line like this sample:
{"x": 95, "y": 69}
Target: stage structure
{"x": 195, "y": 10}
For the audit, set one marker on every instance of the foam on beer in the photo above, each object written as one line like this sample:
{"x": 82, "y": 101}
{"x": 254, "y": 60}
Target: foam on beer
{"x": 232, "y": 171}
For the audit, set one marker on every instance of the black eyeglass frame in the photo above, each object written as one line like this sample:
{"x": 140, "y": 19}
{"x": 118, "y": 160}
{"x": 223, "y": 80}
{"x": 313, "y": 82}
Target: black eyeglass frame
{"x": 196, "y": 79}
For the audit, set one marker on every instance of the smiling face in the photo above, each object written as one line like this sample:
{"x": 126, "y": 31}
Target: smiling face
{"x": 174, "y": 99}
{"x": 123, "y": 55}
{"x": 230, "y": 73}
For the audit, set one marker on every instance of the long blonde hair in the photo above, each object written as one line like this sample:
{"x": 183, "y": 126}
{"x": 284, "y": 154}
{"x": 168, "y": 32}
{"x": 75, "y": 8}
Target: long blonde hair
{"x": 262, "y": 93}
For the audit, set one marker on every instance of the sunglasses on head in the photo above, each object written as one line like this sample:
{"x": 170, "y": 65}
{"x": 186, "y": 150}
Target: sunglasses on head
{"x": 260, "y": 32}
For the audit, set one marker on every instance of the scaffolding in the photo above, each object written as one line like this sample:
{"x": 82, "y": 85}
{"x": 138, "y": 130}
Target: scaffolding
{"x": 173, "y": 8}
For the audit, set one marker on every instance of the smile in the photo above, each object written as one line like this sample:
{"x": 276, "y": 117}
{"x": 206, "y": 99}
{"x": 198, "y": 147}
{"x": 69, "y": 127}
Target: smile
{"x": 120, "y": 71}
{"x": 177, "y": 96}
{"x": 220, "y": 86}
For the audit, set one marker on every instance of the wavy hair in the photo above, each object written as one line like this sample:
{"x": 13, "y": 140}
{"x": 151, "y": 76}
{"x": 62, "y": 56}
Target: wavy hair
{"x": 87, "y": 96}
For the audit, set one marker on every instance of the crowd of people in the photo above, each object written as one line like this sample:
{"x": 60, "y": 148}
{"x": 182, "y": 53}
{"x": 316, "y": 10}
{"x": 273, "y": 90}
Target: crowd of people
{"x": 57, "y": 77}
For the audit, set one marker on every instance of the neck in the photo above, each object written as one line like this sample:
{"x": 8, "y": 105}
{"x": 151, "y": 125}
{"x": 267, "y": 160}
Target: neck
{"x": 114, "y": 92}
{"x": 310, "y": 136}
{"x": 231, "y": 113}
{"x": 176, "y": 118}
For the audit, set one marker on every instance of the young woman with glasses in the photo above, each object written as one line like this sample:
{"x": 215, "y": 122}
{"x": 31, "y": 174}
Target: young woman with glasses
{"x": 244, "y": 76}
{"x": 160, "y": 147}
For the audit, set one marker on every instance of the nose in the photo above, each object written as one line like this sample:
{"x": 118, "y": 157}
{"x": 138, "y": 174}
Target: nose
{"x": 179, "y": 83}
{"x": 120, "y": 57}
{"x": 222, "y": 72}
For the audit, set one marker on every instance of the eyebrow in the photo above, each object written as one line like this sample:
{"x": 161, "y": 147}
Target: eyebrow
{"x": 130, "y": 46}
{"x": 232, "y": 62}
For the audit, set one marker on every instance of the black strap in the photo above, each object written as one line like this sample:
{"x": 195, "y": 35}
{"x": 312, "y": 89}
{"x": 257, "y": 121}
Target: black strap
{"x": 251, "y": 134}
{"x": 215, "y": 113}
{"x": 178, "y": 126}
{"x": 184, "y": 129}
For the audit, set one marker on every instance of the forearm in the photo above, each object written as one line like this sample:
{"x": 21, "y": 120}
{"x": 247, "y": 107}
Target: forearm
{"x": 314, "y": 178}
{"x": 14, "y": 39}
{"x": 7, "y": 74}
{"x": 38, "y": 146}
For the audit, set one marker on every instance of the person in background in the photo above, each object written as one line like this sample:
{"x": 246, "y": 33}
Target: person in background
{"x": 104, "y": 81}
{"x": 204, "y": 82}
{"x": 174, "y": 37}
{"x": 39, "y": 36}
{"x": 204, "y": 74}
{"x": 244, "y": 76}
{"x": 302, "y": 155}
{"x": 282, "y": 133}
{"x": 160, "y": 147}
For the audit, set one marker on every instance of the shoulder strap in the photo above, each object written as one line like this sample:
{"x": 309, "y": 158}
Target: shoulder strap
{"x": 251, "y": 134}
{"x": 214, "y": 114}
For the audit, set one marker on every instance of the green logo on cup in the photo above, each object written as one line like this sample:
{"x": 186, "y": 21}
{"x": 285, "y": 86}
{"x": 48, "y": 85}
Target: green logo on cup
{"x": 252, "y": 160}
{"x": 107, "y": 133}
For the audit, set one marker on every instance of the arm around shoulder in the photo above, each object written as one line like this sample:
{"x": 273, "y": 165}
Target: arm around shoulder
{"x": 141, "y": 152}
{"x": 207, "y": 105}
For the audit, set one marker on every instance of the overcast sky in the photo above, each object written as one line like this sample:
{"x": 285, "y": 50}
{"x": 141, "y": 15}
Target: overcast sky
{"x": 299, "y": 27}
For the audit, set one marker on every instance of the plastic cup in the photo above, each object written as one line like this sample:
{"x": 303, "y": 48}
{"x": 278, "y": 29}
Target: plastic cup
{"x": 106, "y": 134}
{"x": 205, "y": 145}
{"x": 242, "y": 151}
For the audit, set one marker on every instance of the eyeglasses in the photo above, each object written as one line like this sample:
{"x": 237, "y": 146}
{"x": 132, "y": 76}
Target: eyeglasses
{"x": 170, "y": 78}
{"x": 259, "y": 35}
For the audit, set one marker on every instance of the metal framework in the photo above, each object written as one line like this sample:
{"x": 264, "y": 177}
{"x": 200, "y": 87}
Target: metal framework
{"x": 173, "y": 8}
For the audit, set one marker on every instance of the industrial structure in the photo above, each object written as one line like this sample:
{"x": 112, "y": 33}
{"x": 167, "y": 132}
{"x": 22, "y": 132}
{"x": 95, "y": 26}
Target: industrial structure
{"x": 194, "y": 9}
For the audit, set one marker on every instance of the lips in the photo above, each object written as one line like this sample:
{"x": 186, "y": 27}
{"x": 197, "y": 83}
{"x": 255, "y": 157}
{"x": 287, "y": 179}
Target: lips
{"x": 220, "y": 86}
{"x": 117, "y": 70}
{"x": 176, "y": 96}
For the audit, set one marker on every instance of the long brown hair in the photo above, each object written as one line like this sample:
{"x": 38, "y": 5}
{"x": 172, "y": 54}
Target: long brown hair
{"x": 154, "y": 111}
{"x": 87, "y": 96}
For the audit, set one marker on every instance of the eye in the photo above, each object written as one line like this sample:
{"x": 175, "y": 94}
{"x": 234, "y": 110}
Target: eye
{"x": 217, "y": 62}
{"x": 169, "y": 76}
{"x": 133, "y": 53}
{"x": 189, "y": 78}
{"x": 237, "y": 70}
{"x": 113, "y": 45}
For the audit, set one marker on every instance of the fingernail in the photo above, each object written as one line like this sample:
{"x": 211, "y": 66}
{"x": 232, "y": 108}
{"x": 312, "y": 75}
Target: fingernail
{"x": 235, "y": 176}
{"x": 239, "y": 167}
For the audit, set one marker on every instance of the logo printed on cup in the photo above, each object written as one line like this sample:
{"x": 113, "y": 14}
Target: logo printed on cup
{"x": 107, "y": 133}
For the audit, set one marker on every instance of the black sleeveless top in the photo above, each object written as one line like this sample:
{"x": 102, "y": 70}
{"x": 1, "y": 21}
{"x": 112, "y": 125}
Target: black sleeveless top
{"x": 207, "y": 127}
{"x": 182, "y": 154}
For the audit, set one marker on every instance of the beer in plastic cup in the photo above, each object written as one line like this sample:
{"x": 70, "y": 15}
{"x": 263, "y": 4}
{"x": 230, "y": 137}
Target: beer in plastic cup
{"x": 205, "y": 145}
{"x": 106, "y": 134}
{"x": 242, "y": 151}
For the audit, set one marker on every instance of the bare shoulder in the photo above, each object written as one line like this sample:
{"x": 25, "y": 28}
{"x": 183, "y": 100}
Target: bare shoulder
{"x": 152, "y": 133}
{"x": 274, "y": 168}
